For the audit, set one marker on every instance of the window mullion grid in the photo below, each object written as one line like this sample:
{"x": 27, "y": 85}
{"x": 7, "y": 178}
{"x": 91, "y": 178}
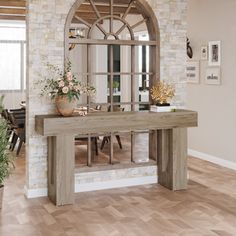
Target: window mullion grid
{"x": 111, "y": 17}
{"x": 111, "y": 70}
{"x": 132, "y": 97}
{"x": 22, "y": 69}
{"x": 22, "y": 57}
{"x": 89, "y": 80}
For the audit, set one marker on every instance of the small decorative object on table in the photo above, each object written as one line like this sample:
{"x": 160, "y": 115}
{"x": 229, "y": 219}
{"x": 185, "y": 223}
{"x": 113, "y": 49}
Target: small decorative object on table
{"x": 65, "y": 88}
{"x": 161, "y": 94}
{"x": 6, "y": 164}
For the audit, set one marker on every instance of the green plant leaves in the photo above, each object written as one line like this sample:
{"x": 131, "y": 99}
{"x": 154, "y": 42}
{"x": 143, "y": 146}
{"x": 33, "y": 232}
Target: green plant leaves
{"x": 5, "y": 159}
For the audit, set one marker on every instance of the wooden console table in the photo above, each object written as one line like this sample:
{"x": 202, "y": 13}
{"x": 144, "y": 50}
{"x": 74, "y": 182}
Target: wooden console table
{"x": 170, "y": 144}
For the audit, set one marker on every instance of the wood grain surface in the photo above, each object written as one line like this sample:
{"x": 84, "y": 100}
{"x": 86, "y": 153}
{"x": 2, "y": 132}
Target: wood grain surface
{"x": 168, "y": 145}
{"x": 172, "y": 156}
{"x": 107, "y": 122}
{"x": 207, "y": 208}
{"x": 61, "y": 168}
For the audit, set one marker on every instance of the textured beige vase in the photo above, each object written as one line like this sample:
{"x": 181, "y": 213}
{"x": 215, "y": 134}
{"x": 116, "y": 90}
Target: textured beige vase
{"x": 1, "y": 195}
{"x": 64, "y": 106}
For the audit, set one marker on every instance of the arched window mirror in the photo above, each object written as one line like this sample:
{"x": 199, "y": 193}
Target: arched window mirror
{"x": 114, "y": 46}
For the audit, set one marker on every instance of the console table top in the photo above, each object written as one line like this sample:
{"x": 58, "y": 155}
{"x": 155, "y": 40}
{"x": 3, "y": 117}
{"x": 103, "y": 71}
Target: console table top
{"x": 106, "y": 122}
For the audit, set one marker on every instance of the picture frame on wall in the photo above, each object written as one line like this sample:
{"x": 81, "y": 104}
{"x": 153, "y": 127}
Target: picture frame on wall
{"x": 213, "y": 76}
{"x": 204, "y": 52}
{"x": 192, "y": 72}
{"x": 214, "y": 58}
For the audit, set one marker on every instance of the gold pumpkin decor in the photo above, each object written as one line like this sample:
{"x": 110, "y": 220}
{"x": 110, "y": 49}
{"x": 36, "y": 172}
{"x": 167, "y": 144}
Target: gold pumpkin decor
{"x": 162, "y": 93}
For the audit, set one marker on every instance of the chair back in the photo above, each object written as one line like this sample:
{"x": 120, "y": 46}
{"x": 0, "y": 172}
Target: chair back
{"x": 5, "y": 114}
{"x": 17, "y": 118}
{"x": 116, "y": 109}
{"x": 98, "y": 108}
{"x": 17, "y": 110}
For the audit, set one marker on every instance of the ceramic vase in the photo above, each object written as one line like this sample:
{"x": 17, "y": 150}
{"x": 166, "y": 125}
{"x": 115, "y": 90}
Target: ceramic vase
{"x": 64, "y": 106}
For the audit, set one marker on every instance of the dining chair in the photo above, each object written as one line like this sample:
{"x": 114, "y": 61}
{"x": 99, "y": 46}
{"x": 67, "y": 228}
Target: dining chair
{"x": 106, "y": 139}
{"x": 10, "y": 130}
{"x": 17, "y": 122}
{"x": 94, "y": 140}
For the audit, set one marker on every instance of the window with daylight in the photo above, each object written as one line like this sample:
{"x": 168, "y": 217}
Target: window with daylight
{"x": 12, "y": 57}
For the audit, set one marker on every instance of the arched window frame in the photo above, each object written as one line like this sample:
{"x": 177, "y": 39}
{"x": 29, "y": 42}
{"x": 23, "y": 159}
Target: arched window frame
{"x": 154, "y": 42}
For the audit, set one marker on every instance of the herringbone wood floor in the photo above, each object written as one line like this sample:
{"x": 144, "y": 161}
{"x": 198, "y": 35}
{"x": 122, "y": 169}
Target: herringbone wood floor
{"x": 207, "y": 208}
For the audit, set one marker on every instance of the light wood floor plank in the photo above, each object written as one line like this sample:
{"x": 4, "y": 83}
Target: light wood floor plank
{"x": 207, "y": 208}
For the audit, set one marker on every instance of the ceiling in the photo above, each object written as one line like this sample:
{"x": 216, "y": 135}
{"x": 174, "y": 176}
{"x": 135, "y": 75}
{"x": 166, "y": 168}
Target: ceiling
{"x": 12, "y": 9}
{"x": 87, "y": 12}
{"x": 16, "y": 9}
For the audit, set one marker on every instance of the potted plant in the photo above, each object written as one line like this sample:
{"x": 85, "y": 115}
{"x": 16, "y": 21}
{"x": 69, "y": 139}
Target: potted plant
{"x": 64, "y": 88}
{"x": 116, "y": 85}
{"x": 6, "y": 163}
{"x": 161, "y": 94}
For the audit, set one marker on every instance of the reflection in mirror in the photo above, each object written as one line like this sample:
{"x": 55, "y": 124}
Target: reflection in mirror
{"x": 120, "y": 73}
{"x": 104, "y": 21}
{"x": 100, "y": 83}
{"x": 110, "y": 48}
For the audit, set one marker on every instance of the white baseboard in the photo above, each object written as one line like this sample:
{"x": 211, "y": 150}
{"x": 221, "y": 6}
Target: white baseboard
{"x": 34, "y": 193}
{"x": 213, "y": 159}
{"x": 115, "y": 184}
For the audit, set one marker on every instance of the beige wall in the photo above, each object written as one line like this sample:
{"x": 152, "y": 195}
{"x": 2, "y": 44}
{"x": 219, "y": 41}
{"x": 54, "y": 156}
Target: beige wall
{"x": 13, "y": 99}
{"x": 210, "y": 20}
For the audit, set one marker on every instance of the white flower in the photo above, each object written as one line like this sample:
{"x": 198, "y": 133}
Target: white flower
{"x": 65, "y": 90}
{"x": 70, "y": 85}
{"x": 61, "y": 84}
{"x": 77, "y": 88}
{"x": 69, "y": 76}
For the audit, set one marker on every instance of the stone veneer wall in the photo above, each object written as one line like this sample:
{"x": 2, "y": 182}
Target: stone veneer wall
{"x": 45, "y": 26}
{"x": 96, "y": 180}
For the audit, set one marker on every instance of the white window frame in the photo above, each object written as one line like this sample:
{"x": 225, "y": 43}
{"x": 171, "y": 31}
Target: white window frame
{"x": 22, "y": 71}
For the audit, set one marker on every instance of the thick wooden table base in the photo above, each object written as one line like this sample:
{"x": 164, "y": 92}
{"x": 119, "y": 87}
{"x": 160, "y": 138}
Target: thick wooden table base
{"x": 168, "y": 143}
{"x": 172, "y": 156}
{"x": 61, "y": 167}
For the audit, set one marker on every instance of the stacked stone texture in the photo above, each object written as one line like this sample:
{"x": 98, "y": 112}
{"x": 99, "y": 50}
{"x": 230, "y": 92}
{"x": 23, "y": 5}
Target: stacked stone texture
{"x": 45, "y": 25}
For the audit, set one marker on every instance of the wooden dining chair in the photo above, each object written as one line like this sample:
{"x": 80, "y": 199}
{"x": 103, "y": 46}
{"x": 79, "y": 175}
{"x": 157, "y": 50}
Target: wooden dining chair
{"x": 17, "y": 120}
{"x": 94, "y": 140}
{"x": 106, "y": 139}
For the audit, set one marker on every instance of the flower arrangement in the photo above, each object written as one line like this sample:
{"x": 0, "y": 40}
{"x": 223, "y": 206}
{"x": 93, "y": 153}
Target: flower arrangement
{"x": 63, "y": 84}
{"x": 162, "y": 93}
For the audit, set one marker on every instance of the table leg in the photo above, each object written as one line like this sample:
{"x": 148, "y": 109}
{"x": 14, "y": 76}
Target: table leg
{"x": 61, "y": 164}
{"x": 172, "y": 156}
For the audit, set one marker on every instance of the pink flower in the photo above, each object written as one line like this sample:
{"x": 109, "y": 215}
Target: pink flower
{"x": 61, "y": 83}
{"x": 70, "y": 85}
{"x": 65, "y": 90}
{"x": 69, "y": 76}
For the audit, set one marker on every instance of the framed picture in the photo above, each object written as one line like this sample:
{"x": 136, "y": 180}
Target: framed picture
{"x": 214, "y": 53}
{"x": 213, "y": 75}
{"x": 192, "y": 72}
{"x": 204, "y": 53}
